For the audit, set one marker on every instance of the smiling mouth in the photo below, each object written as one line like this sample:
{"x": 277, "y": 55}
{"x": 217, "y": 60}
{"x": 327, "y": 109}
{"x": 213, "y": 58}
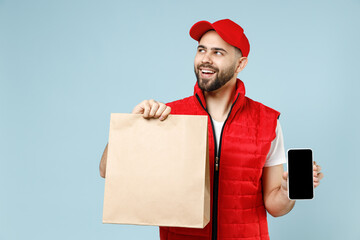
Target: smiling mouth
{"x": 206, "y": 73}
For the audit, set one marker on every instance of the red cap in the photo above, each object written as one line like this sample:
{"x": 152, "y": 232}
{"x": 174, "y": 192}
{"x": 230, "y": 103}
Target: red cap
{"x": 229, "y": 31}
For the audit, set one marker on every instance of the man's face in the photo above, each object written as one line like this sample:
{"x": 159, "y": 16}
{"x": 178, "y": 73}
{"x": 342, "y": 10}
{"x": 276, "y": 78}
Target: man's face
{"x": 215, "y": 62}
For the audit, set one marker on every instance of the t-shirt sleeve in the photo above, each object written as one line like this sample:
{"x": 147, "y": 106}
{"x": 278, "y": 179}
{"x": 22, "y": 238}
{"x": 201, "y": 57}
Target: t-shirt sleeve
{"x": 276, "y": 154}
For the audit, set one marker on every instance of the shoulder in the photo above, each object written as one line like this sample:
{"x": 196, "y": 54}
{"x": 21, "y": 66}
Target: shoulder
{"x": 182, "y": 106}
{"x": 262, "y": 108}
{"x": 262, "y": 117}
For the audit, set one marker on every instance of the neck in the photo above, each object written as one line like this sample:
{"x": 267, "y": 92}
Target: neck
{"x": 219, "y": 102}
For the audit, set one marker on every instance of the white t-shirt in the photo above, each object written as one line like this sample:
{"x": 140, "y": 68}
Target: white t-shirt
{"x": 276, "y": 153}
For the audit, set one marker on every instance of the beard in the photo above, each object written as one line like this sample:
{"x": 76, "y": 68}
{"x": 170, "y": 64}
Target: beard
{"x": 222, "y": 77}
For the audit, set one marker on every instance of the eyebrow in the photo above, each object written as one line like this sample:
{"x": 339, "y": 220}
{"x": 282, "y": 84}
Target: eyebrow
{"x": 215, "y": 48}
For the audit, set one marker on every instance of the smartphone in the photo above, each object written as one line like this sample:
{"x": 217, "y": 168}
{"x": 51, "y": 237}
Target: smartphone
{"x": 300, "y": 178}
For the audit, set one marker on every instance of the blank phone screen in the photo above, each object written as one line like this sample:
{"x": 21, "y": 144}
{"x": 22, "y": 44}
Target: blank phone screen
{"x": 300, "y": 168}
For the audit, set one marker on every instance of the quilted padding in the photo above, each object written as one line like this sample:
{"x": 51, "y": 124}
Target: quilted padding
{"x": 245, "y": 143}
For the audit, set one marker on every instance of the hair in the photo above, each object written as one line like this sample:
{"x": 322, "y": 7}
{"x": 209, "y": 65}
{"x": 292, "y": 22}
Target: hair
{"x": 238, "y": 52}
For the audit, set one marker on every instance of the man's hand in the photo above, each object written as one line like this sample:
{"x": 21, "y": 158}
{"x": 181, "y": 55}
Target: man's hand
{"x": 275, "y": 189}
{"x": 317, "y": 174}
{"x": 149, "y": 109}
{"x": 152, "y": 109}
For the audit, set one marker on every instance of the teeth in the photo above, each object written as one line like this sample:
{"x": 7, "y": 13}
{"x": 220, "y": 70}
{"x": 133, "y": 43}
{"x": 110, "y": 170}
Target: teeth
{"x": 207, "y": 71}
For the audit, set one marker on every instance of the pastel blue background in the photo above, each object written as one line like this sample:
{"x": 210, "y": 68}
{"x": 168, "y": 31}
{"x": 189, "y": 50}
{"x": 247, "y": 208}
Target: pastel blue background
{"x": 66, "y": 65}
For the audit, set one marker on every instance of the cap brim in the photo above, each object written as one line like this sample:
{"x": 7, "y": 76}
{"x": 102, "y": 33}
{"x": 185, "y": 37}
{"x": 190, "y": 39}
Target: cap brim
{"x": 199, "y": 28}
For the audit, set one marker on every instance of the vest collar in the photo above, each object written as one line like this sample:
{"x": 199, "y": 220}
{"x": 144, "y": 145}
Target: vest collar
{"x": 239, "y": 96}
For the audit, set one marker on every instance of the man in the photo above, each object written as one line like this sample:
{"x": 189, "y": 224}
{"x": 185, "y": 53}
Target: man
{"x": 246, "y": 150}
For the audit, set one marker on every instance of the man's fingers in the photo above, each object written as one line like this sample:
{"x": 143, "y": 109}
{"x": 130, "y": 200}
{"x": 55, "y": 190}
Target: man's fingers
{"x": 147, "y": 107}
{"x": 160, "y": 110}
{"x": 165, "y": 114}
{"x": 316, "y": 167}
{"x": 139, "y": 109}
{"x": 320, "y": 176}
{"x": 154, "y": 107}
{"x": 315, "y": 179}
{"x": 317, "y": 174}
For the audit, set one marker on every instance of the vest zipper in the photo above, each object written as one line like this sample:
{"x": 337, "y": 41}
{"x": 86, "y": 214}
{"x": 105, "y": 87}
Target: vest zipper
{"x": 217, "y": 164}
{"x": 216, "y": 167}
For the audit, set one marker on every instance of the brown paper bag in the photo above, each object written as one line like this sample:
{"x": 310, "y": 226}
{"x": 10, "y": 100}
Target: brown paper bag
{"x": 157, "y": 171}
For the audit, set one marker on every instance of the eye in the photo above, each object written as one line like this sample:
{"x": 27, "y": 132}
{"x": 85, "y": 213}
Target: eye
{"x": 218, "y": 53}
{"x": 201, "y": 50}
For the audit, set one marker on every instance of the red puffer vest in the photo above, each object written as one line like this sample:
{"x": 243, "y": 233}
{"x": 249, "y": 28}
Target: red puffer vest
{"x": 237, "y": 207}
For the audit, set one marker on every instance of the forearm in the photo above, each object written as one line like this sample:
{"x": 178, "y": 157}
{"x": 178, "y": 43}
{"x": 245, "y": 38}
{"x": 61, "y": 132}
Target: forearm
{"x": 277, "y": 202}
{"x": 103, "y": 161}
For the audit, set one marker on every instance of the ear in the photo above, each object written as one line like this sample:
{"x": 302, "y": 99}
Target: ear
{"x": 241, "y": 64}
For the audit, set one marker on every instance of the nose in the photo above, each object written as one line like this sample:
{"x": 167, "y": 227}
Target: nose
{"x": 206, "y": 58}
